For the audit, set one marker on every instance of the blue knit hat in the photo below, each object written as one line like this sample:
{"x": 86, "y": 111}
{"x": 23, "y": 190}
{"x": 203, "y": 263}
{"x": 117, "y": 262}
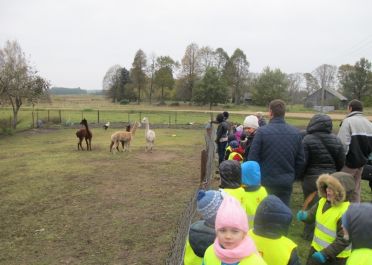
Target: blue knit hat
{"x": 234, "y": 144}
{"x": 251, "y": 173}
{"x": 208, "y": 203}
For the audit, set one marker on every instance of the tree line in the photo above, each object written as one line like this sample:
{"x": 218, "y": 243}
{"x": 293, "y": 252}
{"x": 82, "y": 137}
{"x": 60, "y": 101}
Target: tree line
{"x": 210, "y": 76}
{"x": 203, "y": 76}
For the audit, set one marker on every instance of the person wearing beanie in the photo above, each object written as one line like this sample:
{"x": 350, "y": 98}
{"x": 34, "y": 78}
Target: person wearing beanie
{"x": 236, "y": 152}
{"x": 324, "y": 153}
{"x": 202, "y": 233}
{"x": 254, "y": 193}
{"x": 228, "y": 149}
{"x": 271, "y": 224}
{"x": 232, "y": 244}
{"x": 250, "y": 126}
{"x": 230, "y": 178}
{"x": 329, "y": 245}
{"x": 357, "y": 223}
{"x": 221, "y": 137}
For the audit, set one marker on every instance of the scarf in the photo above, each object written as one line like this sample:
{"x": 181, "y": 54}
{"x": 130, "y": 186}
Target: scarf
{"x": 244, "y": 249}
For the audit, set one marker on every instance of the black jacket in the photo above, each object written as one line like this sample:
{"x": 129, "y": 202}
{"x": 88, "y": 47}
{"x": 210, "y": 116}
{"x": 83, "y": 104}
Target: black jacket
{"x": 324, "y": 152}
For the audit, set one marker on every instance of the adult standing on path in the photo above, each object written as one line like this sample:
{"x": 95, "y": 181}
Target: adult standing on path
{"x": 277, "y": 147}
{"x": 221, "y": 137}
{"x": 356, "y": 135}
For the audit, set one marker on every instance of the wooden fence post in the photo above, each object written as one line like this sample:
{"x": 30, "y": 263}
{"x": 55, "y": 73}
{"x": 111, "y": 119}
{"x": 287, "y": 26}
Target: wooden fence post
{"x": 48, "y": 115}
{"x": 98, "y": 116}
{"x": 60, "y": 116}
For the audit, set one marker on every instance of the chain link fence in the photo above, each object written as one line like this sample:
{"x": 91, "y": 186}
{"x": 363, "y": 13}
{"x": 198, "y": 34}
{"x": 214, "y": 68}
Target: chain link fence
{"x": 176, "y": 251}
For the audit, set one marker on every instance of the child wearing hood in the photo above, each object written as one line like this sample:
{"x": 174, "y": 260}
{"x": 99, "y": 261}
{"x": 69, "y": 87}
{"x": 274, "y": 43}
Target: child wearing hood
{"x": 202, "y": 232}
{"x": 232, "y": 245}
{"x": 329, "y": 245}
{"x": 230, "y": 177}
{"x": 357, "y": 223}
{"x": 236, "y": 152}
{"x": 271, "y": 225}
{"x": 254, "y": 193}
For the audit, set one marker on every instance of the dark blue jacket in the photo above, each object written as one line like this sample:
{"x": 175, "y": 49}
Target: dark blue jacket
{"x": 277, "y": 147}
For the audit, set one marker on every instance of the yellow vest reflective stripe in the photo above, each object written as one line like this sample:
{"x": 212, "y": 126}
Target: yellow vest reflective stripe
{"x": 360, "y": 256}
{"x": 273, "y": 251}
{"x": 326, "y": 226}
{"x": 251, "y": 200}
{"x": 210, "y": 258}
{"x": 231, "y": 156}
{"x": 237, "y": 193}
{"x": 190, "y": 257}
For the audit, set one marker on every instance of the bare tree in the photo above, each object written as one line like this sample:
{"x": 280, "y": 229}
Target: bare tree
{"x": 325, "y": 74}
{"x": 296, "y": 81}
{"x": 18, "y": 81}
{"x": 137, "y": 72}
{"x": 190, "y": 72}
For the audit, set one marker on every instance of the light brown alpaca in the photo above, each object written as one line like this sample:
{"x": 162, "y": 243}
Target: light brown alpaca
{"x": 124, "y": 137}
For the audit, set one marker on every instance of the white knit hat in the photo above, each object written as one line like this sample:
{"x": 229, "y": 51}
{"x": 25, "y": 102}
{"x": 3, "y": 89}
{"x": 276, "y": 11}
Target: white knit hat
{"x": 251, "y": 121}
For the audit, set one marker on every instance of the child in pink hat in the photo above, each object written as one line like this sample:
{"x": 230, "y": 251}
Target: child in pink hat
{"x": 232, "y": 244}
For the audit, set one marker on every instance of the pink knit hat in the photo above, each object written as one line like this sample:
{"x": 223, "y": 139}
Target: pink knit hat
{"x": 231, "y": 214}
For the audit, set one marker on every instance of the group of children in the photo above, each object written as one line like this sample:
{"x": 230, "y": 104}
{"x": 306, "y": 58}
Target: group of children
{"x": 243, "y": 225}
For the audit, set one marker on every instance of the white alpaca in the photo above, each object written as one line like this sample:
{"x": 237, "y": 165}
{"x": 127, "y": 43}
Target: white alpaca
{"x": 149, "y": 135}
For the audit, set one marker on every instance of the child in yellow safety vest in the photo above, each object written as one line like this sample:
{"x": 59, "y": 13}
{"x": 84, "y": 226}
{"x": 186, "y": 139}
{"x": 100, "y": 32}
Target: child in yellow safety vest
{"x": 236, "y": 152}
{"x": 254, "y": 193}
{"x": 202, "y": 233}
{"x": 329, "y": 245}
{"x": 357, "y": 223}
{"x": 271, "y": 224}
{"x": 230, "y": 178}
{"x": 232, "y": 245}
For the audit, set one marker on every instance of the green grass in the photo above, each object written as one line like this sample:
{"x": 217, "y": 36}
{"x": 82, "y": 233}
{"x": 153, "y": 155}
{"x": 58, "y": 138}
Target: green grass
{"x": 63, "y": 206}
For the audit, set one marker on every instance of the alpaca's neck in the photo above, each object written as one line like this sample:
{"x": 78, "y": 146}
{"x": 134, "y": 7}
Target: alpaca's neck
{"x": 147, "y": 126}
{"x": 134, "y": 128}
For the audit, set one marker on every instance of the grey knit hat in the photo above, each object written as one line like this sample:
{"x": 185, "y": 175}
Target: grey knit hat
{"x": 208, "y": 203}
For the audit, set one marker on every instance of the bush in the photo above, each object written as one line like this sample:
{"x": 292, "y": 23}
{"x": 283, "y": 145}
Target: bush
{"x": 174, "y": 104}
{"x": 124, "y": 101}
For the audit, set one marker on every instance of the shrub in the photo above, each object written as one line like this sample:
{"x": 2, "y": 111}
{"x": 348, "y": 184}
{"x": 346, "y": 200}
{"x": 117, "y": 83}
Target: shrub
{"x": 124, "y": 101}
{"x": 174, "y": 104}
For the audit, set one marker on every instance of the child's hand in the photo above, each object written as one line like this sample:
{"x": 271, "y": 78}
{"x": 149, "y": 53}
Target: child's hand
{"x": 319, "y": 257}
{"x": 301, "y": 215}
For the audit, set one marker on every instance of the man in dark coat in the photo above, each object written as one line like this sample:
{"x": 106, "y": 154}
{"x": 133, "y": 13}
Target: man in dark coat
{"x": 277, "y": 147}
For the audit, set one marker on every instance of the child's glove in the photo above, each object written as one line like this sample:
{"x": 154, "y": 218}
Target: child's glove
{"x": 319, "y": 257}
{"x": 301, "y": 215}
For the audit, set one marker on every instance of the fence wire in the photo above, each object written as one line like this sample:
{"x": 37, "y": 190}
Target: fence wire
{"x": 177, "y": 248}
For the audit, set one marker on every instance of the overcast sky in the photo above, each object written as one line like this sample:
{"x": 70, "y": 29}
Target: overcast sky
{"x": 72, "y": 43}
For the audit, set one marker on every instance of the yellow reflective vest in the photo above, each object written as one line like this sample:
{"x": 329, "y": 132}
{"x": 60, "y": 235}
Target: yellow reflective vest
{"x": 190, "y": 257}
{"x": 233, "y": 154}
{"x": 273, "y": 251}
{"x": 210, "y": 258}
{"x": 251, "y": 200}
{"x": 326, "y": 226}
{"x": 360, "y": 256}
{"x": 237, "y": 193}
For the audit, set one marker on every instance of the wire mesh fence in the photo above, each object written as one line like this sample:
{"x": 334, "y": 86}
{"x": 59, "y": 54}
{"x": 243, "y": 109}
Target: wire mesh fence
{"x": 176, "y": 251}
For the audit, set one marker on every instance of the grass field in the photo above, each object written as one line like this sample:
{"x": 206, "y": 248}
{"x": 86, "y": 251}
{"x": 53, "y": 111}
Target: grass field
{"x": 63, "y": 206}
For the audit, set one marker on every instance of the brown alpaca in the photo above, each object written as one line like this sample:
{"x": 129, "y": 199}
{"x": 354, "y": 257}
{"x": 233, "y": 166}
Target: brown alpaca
{"x": 124, "y": 137}
{"x": 84, "y": 133}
